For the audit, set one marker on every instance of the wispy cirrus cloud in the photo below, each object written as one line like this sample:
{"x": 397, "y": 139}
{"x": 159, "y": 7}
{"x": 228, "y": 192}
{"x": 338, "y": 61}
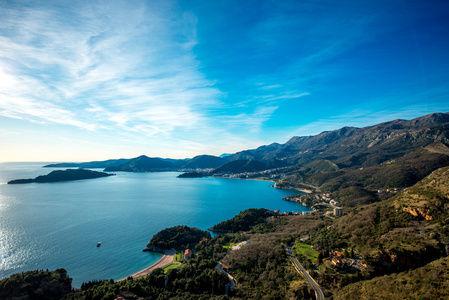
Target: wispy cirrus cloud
{"x": 103, "y": 66}
{"x": 284, "y": 95}
{"x": 252, "y": 122}
{"x": 164, "y": 75}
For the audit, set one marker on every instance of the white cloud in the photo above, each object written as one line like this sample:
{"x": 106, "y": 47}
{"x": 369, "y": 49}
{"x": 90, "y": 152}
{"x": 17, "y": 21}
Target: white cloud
{"x": 285, "y": 95}
{"x": 251, "y": 122}
{"x": 109, "y": 66}
{"x": 269, "y": 87}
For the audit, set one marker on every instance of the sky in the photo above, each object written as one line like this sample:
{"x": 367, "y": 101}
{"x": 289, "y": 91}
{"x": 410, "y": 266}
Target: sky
{"x": 94, "y": 80}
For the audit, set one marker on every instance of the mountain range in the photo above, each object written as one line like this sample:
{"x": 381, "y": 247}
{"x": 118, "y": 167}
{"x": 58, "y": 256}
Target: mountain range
{"x": 344, "y": 148}
{"x": 350, "y": 146}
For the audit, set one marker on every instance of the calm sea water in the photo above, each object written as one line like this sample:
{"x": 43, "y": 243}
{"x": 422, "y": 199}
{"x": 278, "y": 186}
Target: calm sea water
{"x": 58, "y": 225}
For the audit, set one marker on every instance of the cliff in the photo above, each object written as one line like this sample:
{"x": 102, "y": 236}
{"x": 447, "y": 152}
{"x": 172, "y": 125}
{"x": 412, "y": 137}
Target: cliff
{"x": 429, "y": 199}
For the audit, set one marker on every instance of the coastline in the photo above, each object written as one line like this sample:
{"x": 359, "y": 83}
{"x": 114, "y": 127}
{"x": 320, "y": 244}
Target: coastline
{"x": 166, "y": 259}
{"x": 85, "y": 265}
{"x": 238, "y": 178}
{"x": 305, "y": 191}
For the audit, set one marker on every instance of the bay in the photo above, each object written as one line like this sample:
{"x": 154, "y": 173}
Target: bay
{"x": 58, "y": 225}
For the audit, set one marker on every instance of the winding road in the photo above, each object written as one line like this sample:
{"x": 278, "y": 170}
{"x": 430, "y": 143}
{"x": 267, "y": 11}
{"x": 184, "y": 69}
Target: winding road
{"x": 318, "y": 291}
{"x": 232, "y": 283}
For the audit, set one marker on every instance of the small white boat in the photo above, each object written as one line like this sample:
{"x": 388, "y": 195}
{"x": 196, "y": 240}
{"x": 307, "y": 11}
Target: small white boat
{"x": 98, "y": 244}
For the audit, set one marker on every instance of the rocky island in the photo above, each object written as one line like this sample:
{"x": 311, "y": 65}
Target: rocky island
{"x": 63, "y": 175}
{"x": 192, "y": 175}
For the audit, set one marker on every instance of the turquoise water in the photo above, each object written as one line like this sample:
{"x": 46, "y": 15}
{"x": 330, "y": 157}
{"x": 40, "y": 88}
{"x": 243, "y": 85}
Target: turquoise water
{"x": 58, "y": 225}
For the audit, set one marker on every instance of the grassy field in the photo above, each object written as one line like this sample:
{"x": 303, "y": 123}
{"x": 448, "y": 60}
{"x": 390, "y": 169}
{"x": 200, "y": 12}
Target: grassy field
{"x": 307, "y": 251}
{"x": 229, "y": 245}
{"x": 175, "y": 264}
{"x": 171, "y": 266}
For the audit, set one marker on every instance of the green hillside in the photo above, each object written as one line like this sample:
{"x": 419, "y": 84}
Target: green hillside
{"x": 320, "y": 166}
{"x": 401, "y": 172}
{"x": 204, "y": 162}
{"x": 428, "y": 282}
{"x": 393, "y": 234}
{"x": 244, "y": 221}
{"x": 248, "y": 165}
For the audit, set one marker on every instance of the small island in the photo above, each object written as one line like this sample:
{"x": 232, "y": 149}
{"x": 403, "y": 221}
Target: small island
{"x": 177, "y": 237}
{"x": 192, "y": 175}
{"x": 63, "y": 175}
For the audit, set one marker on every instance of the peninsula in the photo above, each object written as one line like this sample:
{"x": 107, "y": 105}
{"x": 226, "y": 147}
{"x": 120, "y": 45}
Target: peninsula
{"x": 177, "y": 237}
{"x": 63, "y": 175}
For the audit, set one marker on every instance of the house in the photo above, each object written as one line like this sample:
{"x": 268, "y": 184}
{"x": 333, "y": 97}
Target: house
{"x": 333, "y": 202}
{"x": 187, "y": 254}
{"x": 338, "y": 211}
{"x": 338, "y": 254}
{"x": 336, "y": 262}
{"x": 304, "y": 238}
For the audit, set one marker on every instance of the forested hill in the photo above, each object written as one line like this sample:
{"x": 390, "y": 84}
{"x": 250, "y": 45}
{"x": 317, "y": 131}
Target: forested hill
{"x": 204, "y": 162}
{"x": 49, "y": 285}
{"x": 177, "y": 237}
{"x": 400, "y": 172}
{"x": 91, "y": 164}
{"x": 144, "y": 164}
{"x": 244, "y": 221}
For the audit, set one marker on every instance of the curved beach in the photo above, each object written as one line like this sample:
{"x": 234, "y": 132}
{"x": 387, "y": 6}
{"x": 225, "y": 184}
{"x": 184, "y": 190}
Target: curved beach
{"x": 166, "y": 259}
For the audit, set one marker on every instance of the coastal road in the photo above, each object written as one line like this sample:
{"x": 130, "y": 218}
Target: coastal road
{"x": 232, "y": 283}
{"x": 318, "y": 291}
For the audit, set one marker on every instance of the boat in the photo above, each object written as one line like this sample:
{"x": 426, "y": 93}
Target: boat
{"x": 98, "y": 244}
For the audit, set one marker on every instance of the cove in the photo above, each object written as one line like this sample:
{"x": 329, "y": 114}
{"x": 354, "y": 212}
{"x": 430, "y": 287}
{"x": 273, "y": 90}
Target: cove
{"x": 58, "y": 225}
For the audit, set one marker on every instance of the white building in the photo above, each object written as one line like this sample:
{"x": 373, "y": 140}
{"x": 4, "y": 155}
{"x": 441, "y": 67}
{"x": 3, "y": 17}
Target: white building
{"x": 338, "y": 211}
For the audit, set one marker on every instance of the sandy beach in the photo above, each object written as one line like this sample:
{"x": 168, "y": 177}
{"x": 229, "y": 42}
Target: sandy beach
{"x": 166, "y": 259}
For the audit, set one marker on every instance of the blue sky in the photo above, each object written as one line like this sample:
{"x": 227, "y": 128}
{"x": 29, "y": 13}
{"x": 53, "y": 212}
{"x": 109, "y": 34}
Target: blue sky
{"x": 92, "y": 80}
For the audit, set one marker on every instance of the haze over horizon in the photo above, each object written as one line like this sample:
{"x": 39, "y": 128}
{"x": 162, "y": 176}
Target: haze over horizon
{"x": 93, "y": 80}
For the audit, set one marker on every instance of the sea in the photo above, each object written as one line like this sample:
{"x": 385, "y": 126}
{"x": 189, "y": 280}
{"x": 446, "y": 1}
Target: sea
{"x": 58, "y": 225}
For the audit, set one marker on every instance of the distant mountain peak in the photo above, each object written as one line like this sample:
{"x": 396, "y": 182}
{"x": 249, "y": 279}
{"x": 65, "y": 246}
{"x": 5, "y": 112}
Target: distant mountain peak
{"x": 204, "y": 162}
